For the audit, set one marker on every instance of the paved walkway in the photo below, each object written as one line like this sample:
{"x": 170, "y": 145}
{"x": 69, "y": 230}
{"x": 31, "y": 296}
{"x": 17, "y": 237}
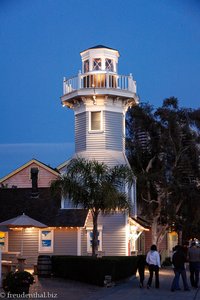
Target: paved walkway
{"x": 54, "y": 288}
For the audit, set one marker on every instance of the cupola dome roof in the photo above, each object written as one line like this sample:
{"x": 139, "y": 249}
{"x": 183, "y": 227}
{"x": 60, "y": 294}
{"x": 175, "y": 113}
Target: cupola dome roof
{"x": 100, "y": 46}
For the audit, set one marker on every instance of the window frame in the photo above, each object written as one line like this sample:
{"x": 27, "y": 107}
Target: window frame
{"x": 86, "y": 66}
{"x": 97, "y": 66}
{"x": 44, "y": 249}
{"x": 5, "y": 247}
{"x": 100, "y": 238}
{"x": 90, "y": 121}
{"x": 110, "y": 67}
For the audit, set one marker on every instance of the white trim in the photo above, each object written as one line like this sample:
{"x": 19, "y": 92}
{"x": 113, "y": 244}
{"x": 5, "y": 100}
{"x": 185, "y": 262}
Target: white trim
{"x": 47, "y": 248}
{"x": 79, "y": 230}
{"x": 126, "y": 232}
{"x": 101, "y": 121}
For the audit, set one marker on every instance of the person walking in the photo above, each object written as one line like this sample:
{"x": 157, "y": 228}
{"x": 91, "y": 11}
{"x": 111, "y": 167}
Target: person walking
{"x": 178, "y": 260}
{"x": 153, "y": 260}
{"x": 194, "y": 264}
{"x": 141, "y": 269}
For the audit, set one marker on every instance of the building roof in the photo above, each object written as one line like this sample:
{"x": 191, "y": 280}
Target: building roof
{"x": 39, "y": 163}
{"x": 45, "y": 208}
{"x": 99, "y": 47}
{"x": 142, "y": 222}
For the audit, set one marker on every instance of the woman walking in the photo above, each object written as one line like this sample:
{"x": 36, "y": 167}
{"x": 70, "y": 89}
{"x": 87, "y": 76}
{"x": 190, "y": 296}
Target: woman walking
{"x": 153, "y": 260}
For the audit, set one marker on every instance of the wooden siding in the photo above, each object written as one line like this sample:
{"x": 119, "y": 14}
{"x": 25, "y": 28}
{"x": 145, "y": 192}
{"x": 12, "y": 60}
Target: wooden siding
{"x": 111, "y": 137}
{"x": 110, "y": 158}
{"x": 65, "y": 243}
{"x": 114, "y": 131}
{"x": 95, "y": 140}
{"x": 113, "y": 234}
{"x": 22, "y": 179}
{"x": 80, "y": 132}
{"x": 30, "y": 243}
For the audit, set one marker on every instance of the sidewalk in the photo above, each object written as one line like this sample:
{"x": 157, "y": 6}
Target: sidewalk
{"x": 54, "y": 288}
{"x": 127, "y": 290}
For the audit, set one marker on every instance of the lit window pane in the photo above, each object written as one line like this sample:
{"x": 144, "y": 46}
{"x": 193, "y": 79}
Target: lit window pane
{"x": 96, "y": 120}
{"x": 86, "y": 66}
{"x": 109, "y": 64}
{"x": 97, "y": 64}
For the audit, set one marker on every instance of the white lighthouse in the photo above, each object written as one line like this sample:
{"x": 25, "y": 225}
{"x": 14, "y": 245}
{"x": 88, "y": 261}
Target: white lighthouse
{"x": 100, "y": 98}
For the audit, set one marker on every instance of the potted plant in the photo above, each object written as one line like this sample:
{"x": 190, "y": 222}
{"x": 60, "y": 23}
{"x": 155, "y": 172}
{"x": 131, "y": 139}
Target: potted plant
{"x": 18, "y": 282}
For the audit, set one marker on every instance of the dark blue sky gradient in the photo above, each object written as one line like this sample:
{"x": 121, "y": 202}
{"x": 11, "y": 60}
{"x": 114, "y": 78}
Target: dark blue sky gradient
{"x": 40, "y": 42}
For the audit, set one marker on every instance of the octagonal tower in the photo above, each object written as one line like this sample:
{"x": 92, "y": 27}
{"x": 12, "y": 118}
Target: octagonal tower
{"x": 100, "y": 98}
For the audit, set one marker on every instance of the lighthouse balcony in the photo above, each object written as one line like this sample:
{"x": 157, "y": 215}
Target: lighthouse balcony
{"x": 99, "y": 83}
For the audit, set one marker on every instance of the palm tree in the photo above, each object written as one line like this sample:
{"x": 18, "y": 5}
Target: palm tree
{"x": 96, "y": 187}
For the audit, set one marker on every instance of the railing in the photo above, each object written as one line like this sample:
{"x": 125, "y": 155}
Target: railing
{"x": 99, "y": 80}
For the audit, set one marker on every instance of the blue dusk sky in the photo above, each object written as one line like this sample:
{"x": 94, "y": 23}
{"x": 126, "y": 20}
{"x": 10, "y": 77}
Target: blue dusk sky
{"x": 41, "y": 41}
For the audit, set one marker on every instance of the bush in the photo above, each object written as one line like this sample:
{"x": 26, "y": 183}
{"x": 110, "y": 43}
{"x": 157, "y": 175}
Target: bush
{"x": 17, "y": 282}
{"x": 93, "y": 270}
{"x": 167, "y": 262}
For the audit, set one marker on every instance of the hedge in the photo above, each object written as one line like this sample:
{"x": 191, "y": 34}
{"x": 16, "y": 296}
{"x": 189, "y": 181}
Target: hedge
{"x": 92, "y": 269}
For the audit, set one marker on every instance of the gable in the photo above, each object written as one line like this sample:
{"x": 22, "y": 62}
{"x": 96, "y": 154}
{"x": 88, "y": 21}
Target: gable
{"x": 21, "y": 177}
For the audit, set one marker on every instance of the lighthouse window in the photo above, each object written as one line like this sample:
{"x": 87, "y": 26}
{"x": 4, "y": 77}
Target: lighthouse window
{"x": 97, "y": 64}
{"x": 95, "y": 120}
{"x": 109, "y": 64}
{"x": 86, "y": 66}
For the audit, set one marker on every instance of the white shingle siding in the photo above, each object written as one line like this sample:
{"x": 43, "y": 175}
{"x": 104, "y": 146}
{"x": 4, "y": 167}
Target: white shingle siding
{"x": 111, "y": 137}
{"x": 65, "y": 242}
{"x": 114, "y": 131}
{"x": 113, "y": 234}
{"x": 80, "y": 132}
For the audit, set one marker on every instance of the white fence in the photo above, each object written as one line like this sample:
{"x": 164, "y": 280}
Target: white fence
{"x": 99, "y": 80}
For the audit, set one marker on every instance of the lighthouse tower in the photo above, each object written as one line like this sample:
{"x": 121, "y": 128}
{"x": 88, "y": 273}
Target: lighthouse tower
{"x": 100, "y": 98}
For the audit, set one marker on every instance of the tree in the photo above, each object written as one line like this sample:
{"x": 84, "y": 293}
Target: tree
{"x": 162, "y": 148}
{"x": 96, "y": 187}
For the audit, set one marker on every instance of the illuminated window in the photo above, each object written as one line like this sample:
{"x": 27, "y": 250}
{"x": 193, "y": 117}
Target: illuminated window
{"x": 95, "y": 120}
{"x": 3, "y": 241}
{"x": 97, "y": 64}
{"x": 46, "y": 240}
{"x": 86, "y": 66}
{"x": 109, "y": 64}
{"x": 89, "y": 239}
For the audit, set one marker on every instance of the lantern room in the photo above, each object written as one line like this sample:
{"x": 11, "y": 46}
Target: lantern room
{"x": 99, "y": 76}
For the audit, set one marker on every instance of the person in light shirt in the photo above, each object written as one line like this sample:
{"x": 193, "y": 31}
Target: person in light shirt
{"x": 153, "y": 260}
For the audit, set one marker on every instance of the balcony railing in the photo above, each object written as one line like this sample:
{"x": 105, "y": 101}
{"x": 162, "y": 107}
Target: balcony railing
{"x": 100, "y": 81}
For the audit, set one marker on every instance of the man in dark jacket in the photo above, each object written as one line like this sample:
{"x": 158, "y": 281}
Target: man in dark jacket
{"x": 178, "y": 260}
{"x": 194, "y": 263}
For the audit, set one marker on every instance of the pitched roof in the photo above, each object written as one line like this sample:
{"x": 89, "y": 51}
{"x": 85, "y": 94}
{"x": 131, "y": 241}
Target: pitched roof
{"x": 39, "y": 163}
{"x": 45, "y": 209}
{"x": 99, "y": 47}
{"x": 141, "y": 222}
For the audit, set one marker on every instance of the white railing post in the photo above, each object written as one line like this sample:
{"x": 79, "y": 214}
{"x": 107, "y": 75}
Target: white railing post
{"x": 130, "y": 82}
{"x": 107, "y": 80}
{"x": 64, "y": 85}
{"x": 79, "y": 80}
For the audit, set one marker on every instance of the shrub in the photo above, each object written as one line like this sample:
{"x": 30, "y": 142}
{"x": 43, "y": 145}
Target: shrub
{"x": 167, "y": 262}
{"x": 17, "y": 282}
{"x": 92, "y": 269}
